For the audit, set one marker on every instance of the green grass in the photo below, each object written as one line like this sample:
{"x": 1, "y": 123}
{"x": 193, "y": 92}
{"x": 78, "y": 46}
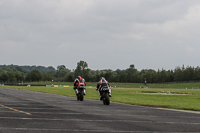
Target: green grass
{"x": 138, "y": 97}
{"x": 135, "y": 96}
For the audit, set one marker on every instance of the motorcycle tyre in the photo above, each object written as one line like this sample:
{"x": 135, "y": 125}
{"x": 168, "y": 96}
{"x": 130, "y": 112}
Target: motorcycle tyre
{"x": 104, "y": 102}
{"x": 106, "y": 99}
{"x": 81, "y": 95}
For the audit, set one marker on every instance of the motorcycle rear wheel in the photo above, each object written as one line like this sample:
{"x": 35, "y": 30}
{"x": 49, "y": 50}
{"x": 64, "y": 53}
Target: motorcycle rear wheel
{"x": 81, "y": 95}
{"x": 78, "y": 97}
{"x": 106, "y": 99}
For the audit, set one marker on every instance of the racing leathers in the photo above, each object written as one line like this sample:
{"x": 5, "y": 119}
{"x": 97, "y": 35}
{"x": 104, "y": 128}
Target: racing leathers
{"x": 103, "y": 82}
{"x": 79, "y": 81}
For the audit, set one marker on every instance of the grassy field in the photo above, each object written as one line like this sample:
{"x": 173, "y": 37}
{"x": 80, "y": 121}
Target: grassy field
{"x": 173, "y": 98}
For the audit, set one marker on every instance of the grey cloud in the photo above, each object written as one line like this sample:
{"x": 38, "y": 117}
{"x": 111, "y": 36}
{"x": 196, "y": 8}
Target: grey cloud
{"x": 141, "y": 32}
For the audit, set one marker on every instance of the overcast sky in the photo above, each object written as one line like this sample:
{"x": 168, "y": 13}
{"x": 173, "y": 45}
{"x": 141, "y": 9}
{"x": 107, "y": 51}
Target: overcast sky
{"x": 107, "y": 34}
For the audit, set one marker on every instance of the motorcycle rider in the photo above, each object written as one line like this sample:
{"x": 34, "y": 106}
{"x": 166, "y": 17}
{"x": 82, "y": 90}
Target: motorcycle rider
{"x": 103, "y": 82}
{"x": 78, "y": 81}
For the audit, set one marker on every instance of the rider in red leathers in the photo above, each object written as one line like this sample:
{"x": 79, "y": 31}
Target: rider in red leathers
{"x": 79, "y": 81}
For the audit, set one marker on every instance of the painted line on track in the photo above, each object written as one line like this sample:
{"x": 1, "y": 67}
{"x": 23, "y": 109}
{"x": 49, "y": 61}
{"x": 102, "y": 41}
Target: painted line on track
{"x": 15, "y": 109}
{"x": 186, "y": 111}
{"x": 177, "y": 110}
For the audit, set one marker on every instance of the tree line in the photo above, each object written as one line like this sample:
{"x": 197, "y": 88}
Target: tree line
{"x": 18, "y": 74}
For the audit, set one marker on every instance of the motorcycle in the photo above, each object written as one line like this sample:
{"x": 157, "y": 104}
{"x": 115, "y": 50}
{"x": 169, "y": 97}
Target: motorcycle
{"x": 105, "y": 95}
{"x": 80, "y": 93}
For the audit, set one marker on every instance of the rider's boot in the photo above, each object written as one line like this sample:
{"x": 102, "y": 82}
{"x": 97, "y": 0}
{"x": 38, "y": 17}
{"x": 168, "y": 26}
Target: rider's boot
{"x": 84, "y": 92}
{"x": 109, "y": 93}
{"x": 76, "y": 90}
{"x": 100, "y": 95}
{"x": 101, "y": 98}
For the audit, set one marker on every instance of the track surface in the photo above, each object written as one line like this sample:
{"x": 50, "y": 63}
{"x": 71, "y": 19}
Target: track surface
{"x": 24, "y": 111}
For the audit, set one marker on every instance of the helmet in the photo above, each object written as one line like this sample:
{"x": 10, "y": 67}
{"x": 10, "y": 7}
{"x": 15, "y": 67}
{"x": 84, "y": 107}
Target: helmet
{"x": 79, "y": 77}
{"x": 102, "y": 78}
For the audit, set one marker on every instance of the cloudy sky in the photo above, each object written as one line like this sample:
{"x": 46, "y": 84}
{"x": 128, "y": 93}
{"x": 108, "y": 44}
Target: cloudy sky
{"x": 107, "y": 34}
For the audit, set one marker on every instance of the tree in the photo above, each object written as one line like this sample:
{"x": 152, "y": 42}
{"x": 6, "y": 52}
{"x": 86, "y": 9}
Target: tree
{"x": 82, "y": 69}
{"x": 61, "y": 67}
{"x": 70, "y": 77}
{"x": 132, "y": 74}
{"x": 47, "y": 77}
{"x": 62, "y": 73}
{"x": 178, "y": 74}
{"x": 50, "y": 68}
{"x": 164, "y": 76}
{"x": 148, "y": 75}
{"x": 188, "y": 74}
{"x": 197, "y": 73}
{"x": 11, "y": 77}
{"x": 4, "y": 77}
{"x": 171, "y": 75}
{"x": 20, "y": 76}
{"x": 34, "y": 75}
{"x": 123, "y": 76}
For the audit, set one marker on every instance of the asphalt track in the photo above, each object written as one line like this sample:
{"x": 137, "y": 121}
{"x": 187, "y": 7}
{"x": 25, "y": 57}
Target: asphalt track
{"x": 24, "y": 111}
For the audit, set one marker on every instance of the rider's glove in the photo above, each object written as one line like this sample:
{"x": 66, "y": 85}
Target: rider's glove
{"x": 96, "y": 88}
